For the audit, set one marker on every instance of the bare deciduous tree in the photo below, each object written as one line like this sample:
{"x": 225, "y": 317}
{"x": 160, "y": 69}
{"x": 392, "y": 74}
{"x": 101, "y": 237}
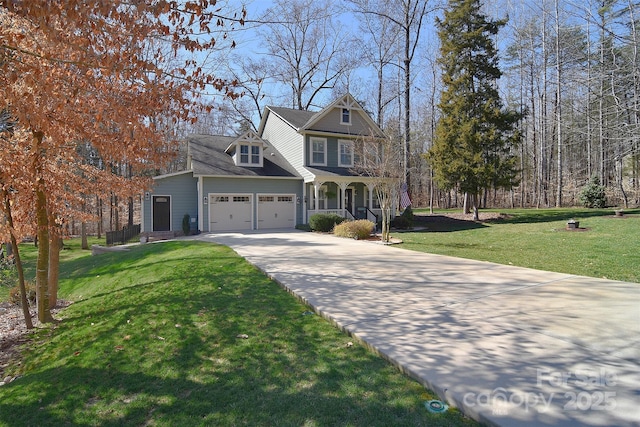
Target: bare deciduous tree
{"x": 381, "y": 161}
{"x": 308, "y": 49}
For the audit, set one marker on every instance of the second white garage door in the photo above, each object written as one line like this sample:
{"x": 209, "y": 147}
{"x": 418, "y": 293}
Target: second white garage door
{"x": 230, "y": 212}
{"x": 276, "y": 211}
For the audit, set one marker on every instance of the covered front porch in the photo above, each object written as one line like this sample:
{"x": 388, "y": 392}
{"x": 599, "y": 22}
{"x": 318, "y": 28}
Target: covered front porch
{"x": 351, "y": 199}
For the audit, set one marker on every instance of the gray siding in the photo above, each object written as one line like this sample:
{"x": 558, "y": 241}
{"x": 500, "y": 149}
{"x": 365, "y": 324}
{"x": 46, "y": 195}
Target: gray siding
{"x": 287, "y": 141}
{"x": 332, "y": 150}
{"x": 184, "y": 199}
{"x": 331, "y": 123}
{"x": 251, "y": 186}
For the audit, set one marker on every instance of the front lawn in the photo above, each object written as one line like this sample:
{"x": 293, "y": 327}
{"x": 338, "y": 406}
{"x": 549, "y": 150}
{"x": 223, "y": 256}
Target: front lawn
{"x": 188, "y": 333}
{"x": 607, "y": 246}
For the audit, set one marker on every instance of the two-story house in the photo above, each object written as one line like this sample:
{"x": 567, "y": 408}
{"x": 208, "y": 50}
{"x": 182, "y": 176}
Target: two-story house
{"x": 297, "y": 164}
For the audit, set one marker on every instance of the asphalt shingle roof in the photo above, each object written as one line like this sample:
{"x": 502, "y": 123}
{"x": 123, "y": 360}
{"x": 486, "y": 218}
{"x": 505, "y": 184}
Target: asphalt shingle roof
{"x": 208, "y": 158}
{"x": 297, "y": 118}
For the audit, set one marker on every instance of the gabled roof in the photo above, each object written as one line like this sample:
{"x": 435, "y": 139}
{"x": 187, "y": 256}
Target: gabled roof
{"x": 247, "y": 137}
{"x": 208, "y": 157}
{"x": 295, "y": 118}
{"x": 303, "y": 121}
{"x": 346, "y": 101}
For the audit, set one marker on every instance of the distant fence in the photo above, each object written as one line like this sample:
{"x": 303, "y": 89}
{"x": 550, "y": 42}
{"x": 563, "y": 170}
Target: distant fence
{"x": 122, "y": 236}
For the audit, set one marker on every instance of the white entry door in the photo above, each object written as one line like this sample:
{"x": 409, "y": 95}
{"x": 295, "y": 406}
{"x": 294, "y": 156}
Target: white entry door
{"x": 230, "y": 212}
{"x": 276, "y": 211}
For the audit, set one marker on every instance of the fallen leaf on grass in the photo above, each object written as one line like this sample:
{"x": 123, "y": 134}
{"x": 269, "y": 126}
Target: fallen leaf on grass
{"x": 119, "y": 348}
{"x": 243, "y": 336}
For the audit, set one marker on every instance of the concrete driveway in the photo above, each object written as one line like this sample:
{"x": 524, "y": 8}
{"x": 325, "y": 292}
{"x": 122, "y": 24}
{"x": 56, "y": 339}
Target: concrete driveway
{"x": 509, "y": 346}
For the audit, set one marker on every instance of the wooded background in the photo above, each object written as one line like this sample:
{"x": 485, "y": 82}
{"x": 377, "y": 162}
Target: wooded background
{"x": 571, "y": 67}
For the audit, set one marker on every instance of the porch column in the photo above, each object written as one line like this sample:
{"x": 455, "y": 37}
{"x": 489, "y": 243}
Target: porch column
{"x": 304, "y": 203}
{"x": 343, "y": 186}
{"x": 316, "y": 194}
{"x": 371, "y": 187}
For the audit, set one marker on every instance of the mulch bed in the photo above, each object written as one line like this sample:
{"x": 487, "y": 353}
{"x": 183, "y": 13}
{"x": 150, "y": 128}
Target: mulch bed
{"x": 14, "y": 333}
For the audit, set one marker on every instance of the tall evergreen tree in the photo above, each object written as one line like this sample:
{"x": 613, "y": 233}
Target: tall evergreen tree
{"x": 472, "y": 150}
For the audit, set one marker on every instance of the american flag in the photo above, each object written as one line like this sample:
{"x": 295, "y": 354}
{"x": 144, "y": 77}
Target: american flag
{"x": 404, "y": 196}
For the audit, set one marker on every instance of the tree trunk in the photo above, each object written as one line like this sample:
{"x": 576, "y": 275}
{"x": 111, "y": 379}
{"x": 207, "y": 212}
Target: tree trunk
{"x": 476, "y": 214}
{"x": 24, "y": 302}
{"x": 99, "y": 207}
{"x": 559, "y": 108}
{"x": 42, "y": 219}
{"x": 620, "y": 181}
{"x": 54, "y": 264}
{"x": 83, "y": 233}
{"x": 386, "y": 220}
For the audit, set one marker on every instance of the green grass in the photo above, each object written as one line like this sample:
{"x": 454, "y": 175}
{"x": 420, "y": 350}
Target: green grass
{"x": 28, "y": 253}
{"x": 537, "y": 239}
{"x": 152, "y": 339}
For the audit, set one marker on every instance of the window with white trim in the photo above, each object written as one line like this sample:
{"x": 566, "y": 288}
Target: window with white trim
{"x": 322, "y": 197}
{"x": 244, "y": 154}
{"x": 345, "y": 153}
{"x": 255, "y": 154}
{"x": 318, "y": 151}
{"x": 250, "y": 155}
{"x": 345, "y": 117}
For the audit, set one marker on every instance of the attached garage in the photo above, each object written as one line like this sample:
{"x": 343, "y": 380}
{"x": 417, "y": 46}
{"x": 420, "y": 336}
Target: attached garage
{"x": 231, "y": 184}
{"x": 276, "y": 211}
{"x": 230, "y": 212}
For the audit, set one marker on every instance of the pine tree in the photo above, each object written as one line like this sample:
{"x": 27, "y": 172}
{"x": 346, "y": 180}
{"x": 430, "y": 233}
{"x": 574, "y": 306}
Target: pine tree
{"x": 472, "y": 150}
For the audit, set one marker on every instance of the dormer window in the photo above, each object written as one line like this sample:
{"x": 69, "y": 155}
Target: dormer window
{"x": 250, "y": 155}
{"x": 248, "y": 150}
{"x": 244, "y": 154}
{"x": 345, "y": 118}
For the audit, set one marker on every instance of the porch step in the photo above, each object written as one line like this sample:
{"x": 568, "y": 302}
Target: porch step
{"x": 159, "y": 235}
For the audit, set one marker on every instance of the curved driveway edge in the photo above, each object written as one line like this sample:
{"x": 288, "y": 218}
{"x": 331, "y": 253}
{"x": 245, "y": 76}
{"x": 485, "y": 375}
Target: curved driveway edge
{"x": 509, "y": 346}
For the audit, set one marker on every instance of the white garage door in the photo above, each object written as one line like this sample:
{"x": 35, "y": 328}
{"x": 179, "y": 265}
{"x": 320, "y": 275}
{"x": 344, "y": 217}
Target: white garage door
{"x": 276, "y": 211}
{"x": 230, "y": 212}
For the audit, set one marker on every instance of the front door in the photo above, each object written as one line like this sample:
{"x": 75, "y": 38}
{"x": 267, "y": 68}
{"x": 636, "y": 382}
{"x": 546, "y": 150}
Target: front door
{"x": 161, "y": 213}
{"x": 348, "y": 199}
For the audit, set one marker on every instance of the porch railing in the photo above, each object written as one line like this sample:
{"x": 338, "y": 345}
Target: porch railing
{"x": 372, "y": 214}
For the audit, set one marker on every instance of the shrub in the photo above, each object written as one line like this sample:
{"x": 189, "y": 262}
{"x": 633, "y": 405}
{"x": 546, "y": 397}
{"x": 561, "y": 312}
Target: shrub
{"x": 405, "y": 220}
{"x": 593, "y": 194}
{"x": 14, "y": 294}
{"x": 400, "y": 223}
{"x": 408, "y": 214}
{"x": 186, "y": 226}
{"x": 303, "y": 227}
{"x": 324, "y": 222}
{"x": 360, "y": 229}
{"x": 8, "y": 274}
